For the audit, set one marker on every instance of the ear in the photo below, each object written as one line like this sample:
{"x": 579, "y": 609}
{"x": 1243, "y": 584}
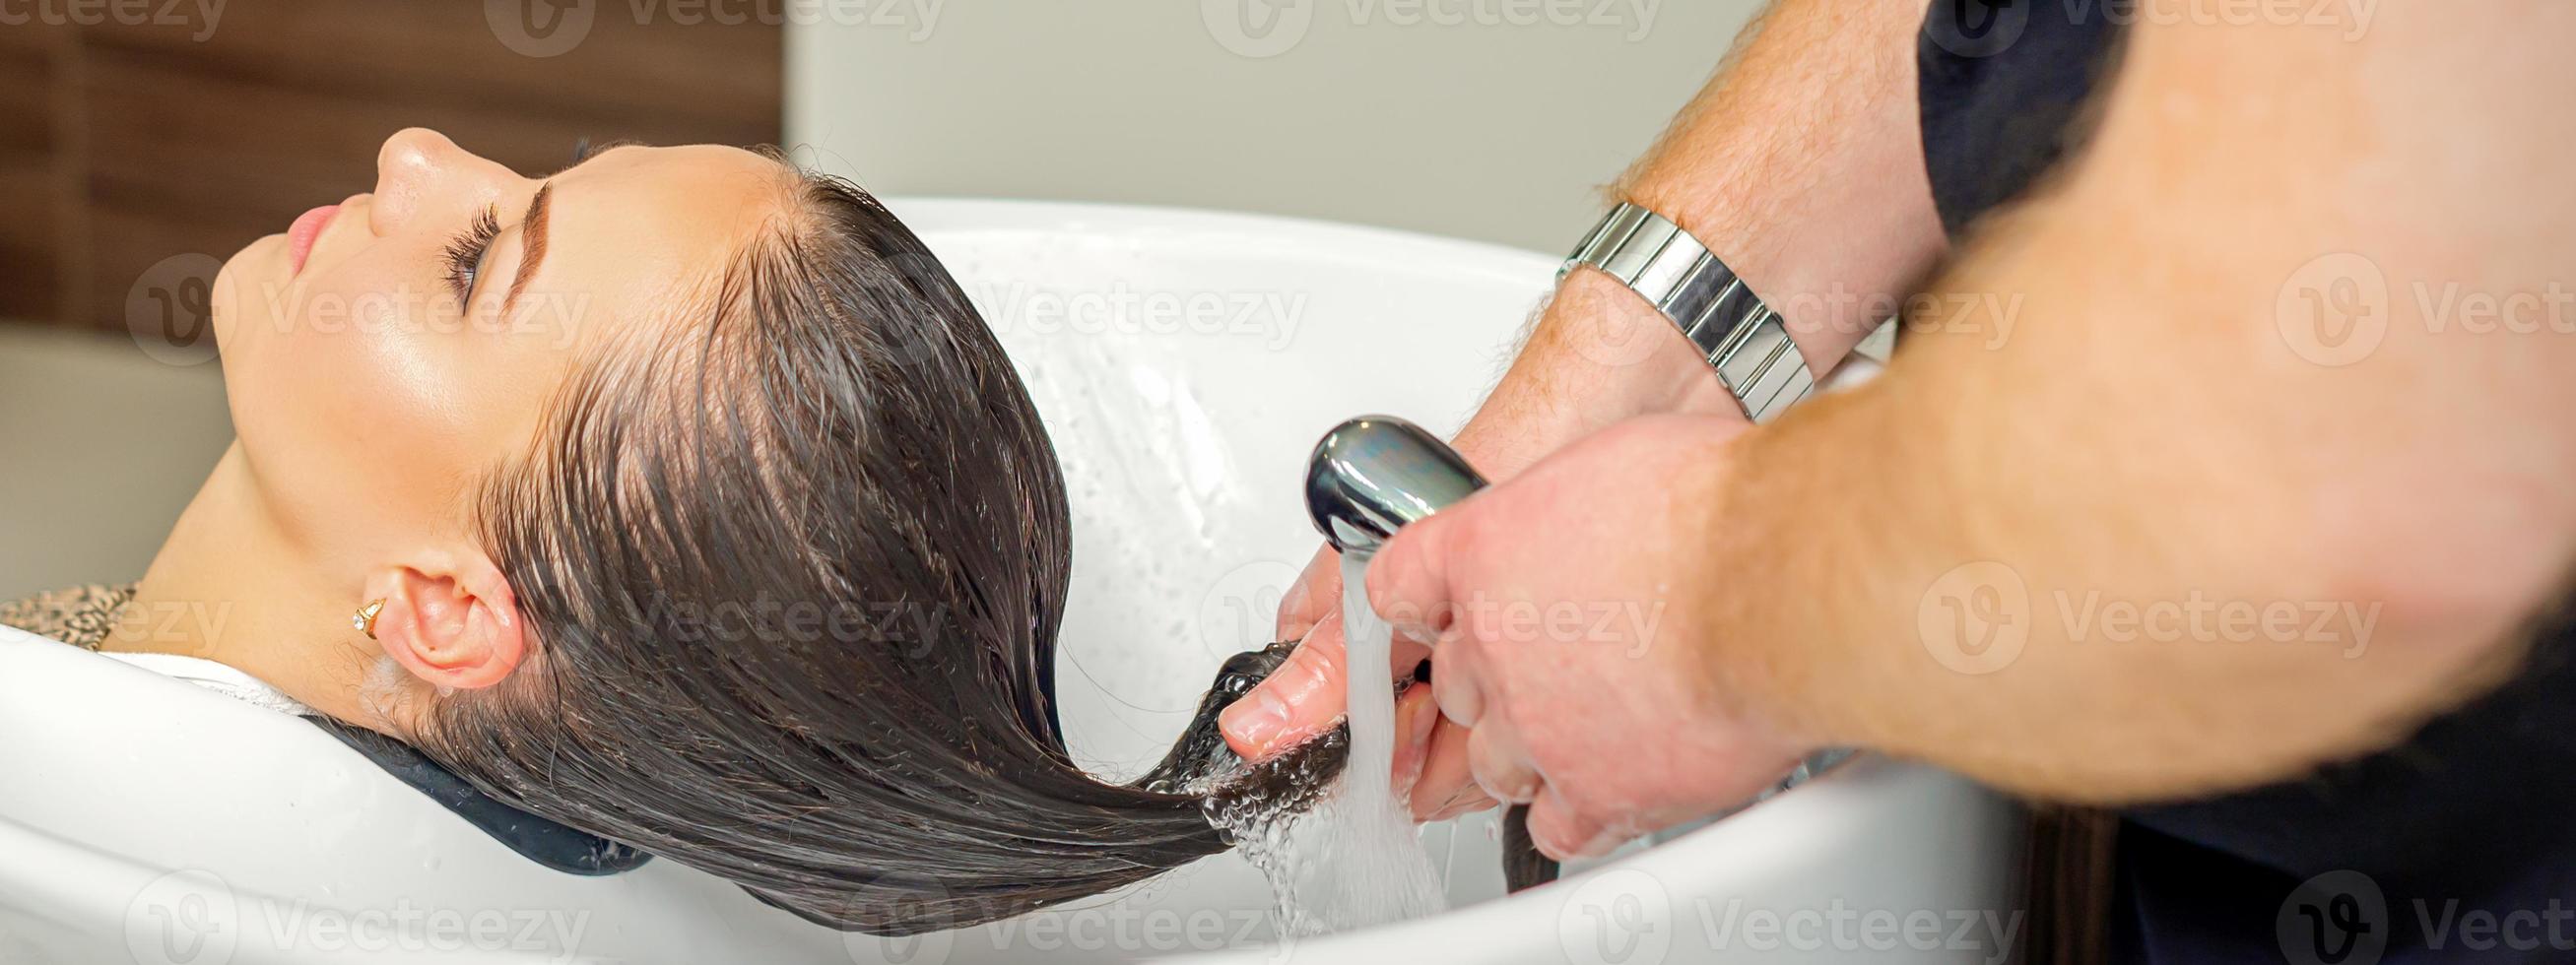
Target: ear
{"x": 451, "y": 619}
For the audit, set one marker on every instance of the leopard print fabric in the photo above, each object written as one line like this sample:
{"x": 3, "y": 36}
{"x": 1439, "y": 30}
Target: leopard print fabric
{"x": 82, "y": 616}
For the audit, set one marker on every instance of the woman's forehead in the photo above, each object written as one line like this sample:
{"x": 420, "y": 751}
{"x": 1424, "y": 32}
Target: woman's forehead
{"x": 638, "y": 228}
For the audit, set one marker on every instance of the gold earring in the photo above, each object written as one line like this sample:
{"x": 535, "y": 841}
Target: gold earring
{"x": 365, "y": 620}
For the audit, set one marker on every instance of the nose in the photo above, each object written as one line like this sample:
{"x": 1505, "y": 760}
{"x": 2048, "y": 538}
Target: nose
{"x": 422, "y": 174}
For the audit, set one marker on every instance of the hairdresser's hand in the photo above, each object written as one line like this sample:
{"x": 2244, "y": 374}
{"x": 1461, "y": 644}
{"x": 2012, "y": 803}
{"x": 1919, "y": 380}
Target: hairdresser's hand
{"x": 1301, "y": 682}
{"x": 1598, "y": 355}
{"x": 1571, "y": 642}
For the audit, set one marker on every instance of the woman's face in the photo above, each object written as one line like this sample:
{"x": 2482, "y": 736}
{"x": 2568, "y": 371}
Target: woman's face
{"x": 386, "y": 353}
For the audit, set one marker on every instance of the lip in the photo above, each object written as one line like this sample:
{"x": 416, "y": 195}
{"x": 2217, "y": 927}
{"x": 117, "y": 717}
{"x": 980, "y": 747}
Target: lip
{"x": 301, "y": 235}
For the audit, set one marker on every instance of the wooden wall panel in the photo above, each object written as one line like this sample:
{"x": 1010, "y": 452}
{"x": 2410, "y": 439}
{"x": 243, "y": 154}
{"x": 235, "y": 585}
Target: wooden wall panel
{"x": 122, "y": 145}
{"x": 36, "y": 178}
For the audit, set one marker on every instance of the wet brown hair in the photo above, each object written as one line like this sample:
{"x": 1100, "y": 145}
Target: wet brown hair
{"x": 794, "y": 578}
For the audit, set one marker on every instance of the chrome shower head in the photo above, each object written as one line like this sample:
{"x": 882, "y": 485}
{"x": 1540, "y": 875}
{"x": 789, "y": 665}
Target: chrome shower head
{"x": 1371, "y": 475}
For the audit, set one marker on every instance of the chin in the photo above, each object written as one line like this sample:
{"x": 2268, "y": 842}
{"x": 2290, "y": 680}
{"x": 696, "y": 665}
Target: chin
{"x": 238, "y": 288}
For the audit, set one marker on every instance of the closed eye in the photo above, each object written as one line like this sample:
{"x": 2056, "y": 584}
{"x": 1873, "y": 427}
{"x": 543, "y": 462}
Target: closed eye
{"x": 466, "y": 252}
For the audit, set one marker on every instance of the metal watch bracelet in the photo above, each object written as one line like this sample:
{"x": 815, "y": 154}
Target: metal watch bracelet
{"x": 1741, "y": 337}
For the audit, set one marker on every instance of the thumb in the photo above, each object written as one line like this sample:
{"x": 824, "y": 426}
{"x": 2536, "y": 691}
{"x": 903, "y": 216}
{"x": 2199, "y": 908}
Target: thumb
{"x": 1298, "y": 701}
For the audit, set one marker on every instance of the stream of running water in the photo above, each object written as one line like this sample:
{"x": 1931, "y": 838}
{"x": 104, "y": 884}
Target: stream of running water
{"x": 1355, "y": 859}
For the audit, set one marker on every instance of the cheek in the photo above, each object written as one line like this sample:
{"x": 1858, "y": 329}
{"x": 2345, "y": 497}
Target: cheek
{"x": 353, "y": 393}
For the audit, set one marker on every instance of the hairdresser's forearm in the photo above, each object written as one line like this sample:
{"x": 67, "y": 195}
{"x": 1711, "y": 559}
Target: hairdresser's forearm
{"x": 2190, "y": 616}
{"x": 2154, "y": 439}
{"x": 1801, "y": 165}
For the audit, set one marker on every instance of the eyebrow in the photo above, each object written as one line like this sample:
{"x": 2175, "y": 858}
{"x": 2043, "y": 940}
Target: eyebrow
{"x": 532, "y": 241}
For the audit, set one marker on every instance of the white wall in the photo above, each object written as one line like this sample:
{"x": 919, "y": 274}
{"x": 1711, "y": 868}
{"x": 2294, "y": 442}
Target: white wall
{"x": 1498, "y": 125}
{"x": 101, "y": 446}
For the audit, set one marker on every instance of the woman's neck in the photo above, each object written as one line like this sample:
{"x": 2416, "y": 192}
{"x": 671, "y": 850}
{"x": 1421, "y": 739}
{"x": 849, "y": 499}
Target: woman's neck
{"x": 229, "y": 585}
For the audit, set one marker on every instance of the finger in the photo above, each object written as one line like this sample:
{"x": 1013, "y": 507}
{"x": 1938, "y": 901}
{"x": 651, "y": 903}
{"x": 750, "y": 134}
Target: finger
{"x": 1409, "y": 581}
{"x": 1415, "y": 717}
{"x": 1446, "y": 789}
{"x": 1454, "y": 685}
{"x": 1469, "y": 800}
{"x": 1298, "y": 701}
{"x": 1502, "y": 768}
{"x": 1562, "y": 833}
{"x": 1317, "y": 592}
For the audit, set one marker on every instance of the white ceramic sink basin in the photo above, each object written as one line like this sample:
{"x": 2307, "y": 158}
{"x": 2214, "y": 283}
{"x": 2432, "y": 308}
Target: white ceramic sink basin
{"x": 1185, "y": 362}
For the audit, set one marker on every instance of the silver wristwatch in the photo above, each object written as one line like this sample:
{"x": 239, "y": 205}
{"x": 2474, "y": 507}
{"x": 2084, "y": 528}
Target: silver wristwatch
{"x": 1741, "y": 337}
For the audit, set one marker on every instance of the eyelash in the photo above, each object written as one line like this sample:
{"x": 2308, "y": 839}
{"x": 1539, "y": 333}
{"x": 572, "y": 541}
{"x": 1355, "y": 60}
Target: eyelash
{"x": 465, "y": 253}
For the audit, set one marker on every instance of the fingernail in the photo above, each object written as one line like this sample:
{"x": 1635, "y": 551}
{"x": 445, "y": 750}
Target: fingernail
{"x": 1413, "y": 721}
{"x": 1255, "y": 720}
{"x": 1453, "y": 805}
{"x": 1602, "y": 843}
{"x": 1520, "y": 795}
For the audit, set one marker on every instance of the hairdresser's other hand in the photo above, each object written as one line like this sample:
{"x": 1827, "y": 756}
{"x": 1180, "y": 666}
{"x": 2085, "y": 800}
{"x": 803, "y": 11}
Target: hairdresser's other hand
{"x": 1598, "y": 355}
{"x": 1571, "y": 642}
